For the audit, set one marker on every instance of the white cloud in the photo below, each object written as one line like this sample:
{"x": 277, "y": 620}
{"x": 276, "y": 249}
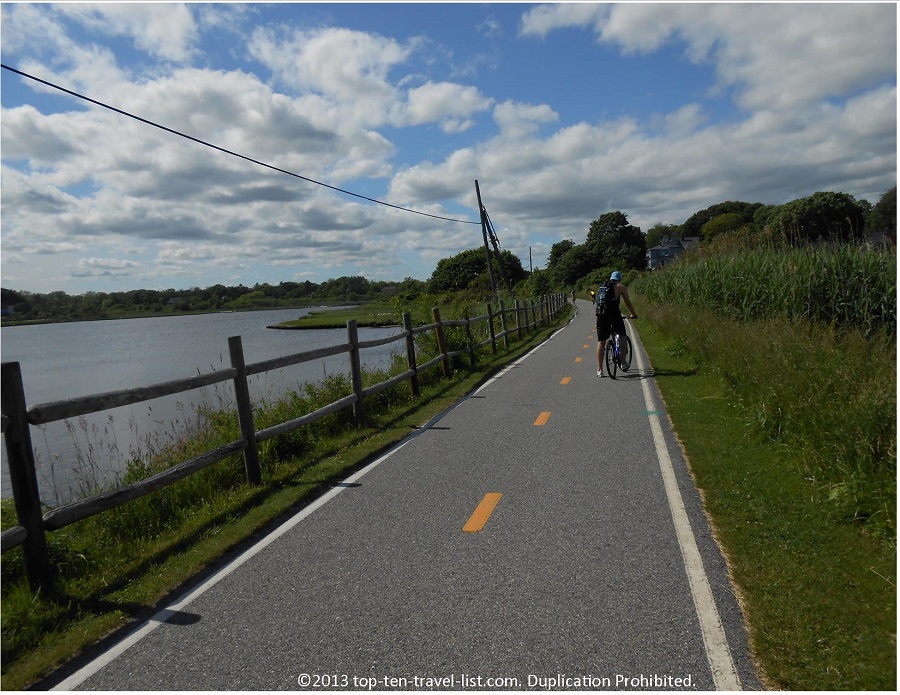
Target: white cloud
{"x": 106, "y": 265}
{"x": 348, "y": 69}
{"x": 518, "y": 120}
{"x": 543, "y": 19}
{"x": 444, "y": 101}
{"x": 777, "y": 55}
{"x": 166, "y": 30}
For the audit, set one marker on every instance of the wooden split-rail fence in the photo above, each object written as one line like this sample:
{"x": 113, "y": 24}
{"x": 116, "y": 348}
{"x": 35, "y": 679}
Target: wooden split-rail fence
{"x": 17, "y": 417}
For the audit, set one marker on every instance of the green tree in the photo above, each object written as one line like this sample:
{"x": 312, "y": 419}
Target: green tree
{"x": 540, "y": 283}
{"x": 558, "y": 250}
{"x": 722, "y": 224}
{"x": 695, "y": 222}
{"x": 575, "y": 264}
{"x": 611, "y": 240}
{"x": 454, "y": 274}
{"x": 465, "y": 270}
{"x": 883, "y": 215}
{"x": 823, "y": 216}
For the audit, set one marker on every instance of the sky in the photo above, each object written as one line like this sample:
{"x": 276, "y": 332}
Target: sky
{"x": 561, "y": 112}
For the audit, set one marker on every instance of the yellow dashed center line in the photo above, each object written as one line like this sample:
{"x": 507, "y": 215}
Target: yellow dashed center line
{"x": 566, "y": 380}
{"x": 578, "y": 359}
{"x": 542, "y": 418}
{"x": 482, "y": 512}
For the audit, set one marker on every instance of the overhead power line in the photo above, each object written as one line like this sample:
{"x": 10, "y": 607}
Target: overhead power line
{"x": 230, "y": 152}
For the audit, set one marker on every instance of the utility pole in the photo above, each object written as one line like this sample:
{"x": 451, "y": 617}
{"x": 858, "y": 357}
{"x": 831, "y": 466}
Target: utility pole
{"x": 531, "y": 271}
{"x": 487, "y": 250}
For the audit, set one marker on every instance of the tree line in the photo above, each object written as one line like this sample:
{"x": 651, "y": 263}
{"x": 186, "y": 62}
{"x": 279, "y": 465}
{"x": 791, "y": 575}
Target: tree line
{"x": 614, "y": 244}
{"x": 611, "y": 243}
{"x": 59, "y": 306}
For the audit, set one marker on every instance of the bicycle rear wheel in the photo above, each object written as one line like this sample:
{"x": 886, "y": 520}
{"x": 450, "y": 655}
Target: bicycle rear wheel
{"x": 611, "y": 364}
{"x": 630, "y": 358}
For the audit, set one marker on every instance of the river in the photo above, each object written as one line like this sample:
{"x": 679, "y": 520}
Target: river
{"x": 67, "y": 360}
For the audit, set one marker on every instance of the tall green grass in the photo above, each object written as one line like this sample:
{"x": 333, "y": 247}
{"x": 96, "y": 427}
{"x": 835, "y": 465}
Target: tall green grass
{"x": 852, "y": 287}
{"x": 818, "y": 592}
{"x": 828, "y": 395}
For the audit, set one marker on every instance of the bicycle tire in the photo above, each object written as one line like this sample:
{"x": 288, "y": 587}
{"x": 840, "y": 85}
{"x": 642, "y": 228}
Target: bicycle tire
{"x": 630, "y": 352}
{"x": 611, "y": 362}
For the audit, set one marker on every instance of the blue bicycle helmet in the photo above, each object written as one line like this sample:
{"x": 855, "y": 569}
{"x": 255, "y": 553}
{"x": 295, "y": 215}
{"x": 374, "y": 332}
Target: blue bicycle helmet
{"x": 616, "y": 276}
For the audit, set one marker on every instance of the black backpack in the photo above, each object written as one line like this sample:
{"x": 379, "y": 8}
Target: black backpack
{"x": 605, "y": 298}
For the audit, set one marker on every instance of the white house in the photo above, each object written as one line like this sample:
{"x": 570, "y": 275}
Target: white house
{"x": 668, "y": 250}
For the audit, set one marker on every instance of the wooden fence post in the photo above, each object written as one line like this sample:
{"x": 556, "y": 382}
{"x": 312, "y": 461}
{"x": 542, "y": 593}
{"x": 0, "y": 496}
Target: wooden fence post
{"x": 411, "y": 353}
{"x": 355, "y": 370}
{"x": 518, "y": 321}
{"x": 245, "y": 411}
{"x": 491, "y": 328}
{"x": 440, "y": 338}
{"x": 503, "y": 326}
{"x": 23, "y": 478}
{"x": 470, "y": 341}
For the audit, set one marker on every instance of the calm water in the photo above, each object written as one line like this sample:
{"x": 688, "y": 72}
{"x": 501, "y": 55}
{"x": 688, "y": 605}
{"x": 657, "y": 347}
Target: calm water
{"x": 67, "y": 360}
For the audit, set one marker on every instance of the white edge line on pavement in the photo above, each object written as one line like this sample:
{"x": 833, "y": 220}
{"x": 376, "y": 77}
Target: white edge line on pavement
{"x": 161, "y": 616}
{"x": 714, "y": 640}
{"x": 516, "y": 363}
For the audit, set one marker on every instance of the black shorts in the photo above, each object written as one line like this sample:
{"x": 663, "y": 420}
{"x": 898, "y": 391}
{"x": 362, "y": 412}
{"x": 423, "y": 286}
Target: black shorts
{"x": 608, "y": 323}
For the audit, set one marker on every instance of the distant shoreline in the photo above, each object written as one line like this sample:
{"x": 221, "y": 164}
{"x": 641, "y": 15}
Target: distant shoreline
{"x": 39, "y": 322}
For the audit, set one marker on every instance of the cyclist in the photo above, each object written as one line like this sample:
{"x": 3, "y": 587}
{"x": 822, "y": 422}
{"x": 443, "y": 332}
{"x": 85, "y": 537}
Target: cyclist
{"x": 609, "y": 320}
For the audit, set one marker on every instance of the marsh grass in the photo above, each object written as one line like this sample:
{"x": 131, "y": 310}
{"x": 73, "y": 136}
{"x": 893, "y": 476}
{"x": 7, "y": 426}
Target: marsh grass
{"x": 806, "y": 339}
{"x": 827, "y": 395}
{"x": 789, "y": 431}
{"x": 369, "y": 315}
{"x": 114, "y": 567}
{"x": 853, "y": 287}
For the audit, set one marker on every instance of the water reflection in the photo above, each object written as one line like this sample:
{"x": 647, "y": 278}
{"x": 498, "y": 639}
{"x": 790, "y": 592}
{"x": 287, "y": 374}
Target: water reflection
{"x": 68, "y": 360}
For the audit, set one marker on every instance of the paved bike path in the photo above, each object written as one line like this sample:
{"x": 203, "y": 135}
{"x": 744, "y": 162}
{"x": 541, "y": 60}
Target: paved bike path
{"x": 579, "y": 572}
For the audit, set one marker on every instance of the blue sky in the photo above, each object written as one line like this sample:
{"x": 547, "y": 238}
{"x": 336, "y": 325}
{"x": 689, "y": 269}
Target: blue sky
{"x": 562, "y": 112}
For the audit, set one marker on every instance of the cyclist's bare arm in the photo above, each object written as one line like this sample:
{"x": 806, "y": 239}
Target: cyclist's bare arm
{"x": 624, "y": 295}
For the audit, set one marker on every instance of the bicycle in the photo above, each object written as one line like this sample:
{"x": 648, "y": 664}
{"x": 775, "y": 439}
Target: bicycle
{"x": 614, "y": 356}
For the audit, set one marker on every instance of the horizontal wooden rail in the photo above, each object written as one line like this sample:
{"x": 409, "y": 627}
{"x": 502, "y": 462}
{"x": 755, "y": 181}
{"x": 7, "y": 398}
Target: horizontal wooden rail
{"x": 70, "y": 513}
{"x": 73, "y": 407}
{"x": 12, "y": 537}
{"x": 393, "y": 381}
{"x": 16, "y": 418}
{"x": 431, "y": 363}
{"x": 299, "y": 358}
{"x": 424, "y": 329}
{"x": 378, "y": 342}
{"x": 307, "y": 419}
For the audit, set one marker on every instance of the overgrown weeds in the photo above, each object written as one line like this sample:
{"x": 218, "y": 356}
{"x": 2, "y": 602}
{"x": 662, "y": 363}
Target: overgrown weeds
{"x": 789, "y": 431}
{"x": 826, "y": 394}
{"x": 852, "y": 287}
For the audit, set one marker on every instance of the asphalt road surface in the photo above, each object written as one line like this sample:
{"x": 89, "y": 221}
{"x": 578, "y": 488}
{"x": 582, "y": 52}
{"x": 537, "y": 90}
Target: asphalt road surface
{"x": 544, "y": 533}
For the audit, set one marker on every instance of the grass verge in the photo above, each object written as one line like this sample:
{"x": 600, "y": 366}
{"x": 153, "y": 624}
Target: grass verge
{"x": 817, "y": 581}
{"x": 106, "y": 582}
{"x": 371, "y": 315}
